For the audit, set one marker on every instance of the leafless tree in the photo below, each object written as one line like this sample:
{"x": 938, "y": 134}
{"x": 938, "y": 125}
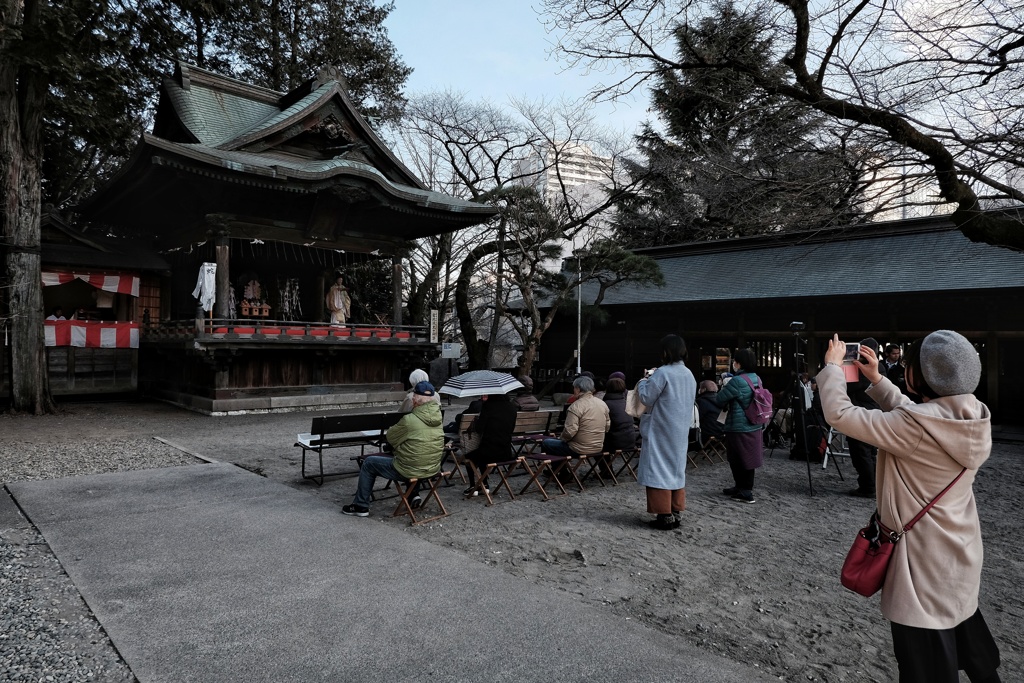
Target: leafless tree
{"x": 481, "y": 151}
{"x": 932, "y": 90}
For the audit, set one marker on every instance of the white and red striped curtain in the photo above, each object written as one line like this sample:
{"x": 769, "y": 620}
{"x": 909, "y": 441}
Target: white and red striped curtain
{"x": 119, "y": 284}
{"x": 89, "y": 334}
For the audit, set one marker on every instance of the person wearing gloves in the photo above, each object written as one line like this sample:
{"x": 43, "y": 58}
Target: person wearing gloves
{"x": 930, "y": 595}
{"x": 668, "y": 392}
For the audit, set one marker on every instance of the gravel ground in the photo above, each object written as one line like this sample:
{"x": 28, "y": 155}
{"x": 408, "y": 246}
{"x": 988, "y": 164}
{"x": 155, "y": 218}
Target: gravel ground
{"x": 47, "y": 632}
{"x": 782, "y": 613}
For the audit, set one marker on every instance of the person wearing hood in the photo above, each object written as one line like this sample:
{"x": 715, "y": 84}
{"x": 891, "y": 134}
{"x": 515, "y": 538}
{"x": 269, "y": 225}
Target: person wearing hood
{"x": 930, "y": 595}
{"x": 418, "y": 444}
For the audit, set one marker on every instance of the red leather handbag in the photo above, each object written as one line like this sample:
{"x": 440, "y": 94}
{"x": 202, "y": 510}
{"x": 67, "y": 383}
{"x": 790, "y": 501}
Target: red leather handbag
{"x": 868, "y": 559}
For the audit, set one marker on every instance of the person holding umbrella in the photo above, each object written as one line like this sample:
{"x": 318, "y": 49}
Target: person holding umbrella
{"x": 496, "y": 420}
{"x": 495, "y": 424}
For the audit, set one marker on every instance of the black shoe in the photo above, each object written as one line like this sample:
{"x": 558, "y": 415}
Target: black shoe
{"x": 861, "y": 493}
{"x": 731, "y": 491}
{"x": 357, "y": 510}
{"x": 664, "y": 523}
{"x": 416, "y": 502}
{"x": 744, "y": 497}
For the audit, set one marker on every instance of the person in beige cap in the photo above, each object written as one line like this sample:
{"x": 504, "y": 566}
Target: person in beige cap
{"x": 930, "y": 595}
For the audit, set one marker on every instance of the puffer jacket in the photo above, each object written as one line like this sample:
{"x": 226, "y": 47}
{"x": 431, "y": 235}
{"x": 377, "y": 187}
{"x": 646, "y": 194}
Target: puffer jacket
{"x": 737, "y": 395}
{"x": 935, "y": 571}
{"x": 622, "y": 432}
{"x": 585, "y": 424}
{"x": 418, "y": 442}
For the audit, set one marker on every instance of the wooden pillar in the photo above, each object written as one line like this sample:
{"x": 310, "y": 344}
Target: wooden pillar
{"x": 221, "y": 307}
{"x": 396, "y": 290}
{"x": 990, "y": 363}
{"x": 320, "y": 313}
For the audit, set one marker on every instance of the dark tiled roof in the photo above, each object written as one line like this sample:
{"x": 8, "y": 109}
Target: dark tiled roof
{"x": 932, "y": 257}
{"x": 270, "y": 165}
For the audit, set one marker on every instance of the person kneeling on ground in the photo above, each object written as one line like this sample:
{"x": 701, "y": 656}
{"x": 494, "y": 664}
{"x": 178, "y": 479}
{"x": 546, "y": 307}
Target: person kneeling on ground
{"x": 418, "y": 444}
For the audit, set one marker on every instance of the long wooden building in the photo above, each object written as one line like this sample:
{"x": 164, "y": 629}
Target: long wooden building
{"x": 893, "y": 281}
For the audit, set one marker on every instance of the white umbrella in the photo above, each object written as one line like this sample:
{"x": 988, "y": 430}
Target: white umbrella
{"x": 479, "y": 383}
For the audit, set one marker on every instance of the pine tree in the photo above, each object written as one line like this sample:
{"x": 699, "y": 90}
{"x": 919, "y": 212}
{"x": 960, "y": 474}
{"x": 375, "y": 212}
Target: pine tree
{"x": 732, "y": 160}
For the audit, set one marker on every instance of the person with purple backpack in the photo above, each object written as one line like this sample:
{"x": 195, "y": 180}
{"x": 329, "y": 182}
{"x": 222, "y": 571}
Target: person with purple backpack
{"x": 743, "y": 445}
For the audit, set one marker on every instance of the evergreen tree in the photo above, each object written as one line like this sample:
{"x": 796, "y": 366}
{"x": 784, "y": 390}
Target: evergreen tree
{"x": 280, "y": 43}
{"x": 732, "y": 160}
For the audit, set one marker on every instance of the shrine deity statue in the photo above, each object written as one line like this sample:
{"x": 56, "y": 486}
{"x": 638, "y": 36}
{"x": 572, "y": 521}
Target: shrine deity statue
{"x": 339, "y": 302}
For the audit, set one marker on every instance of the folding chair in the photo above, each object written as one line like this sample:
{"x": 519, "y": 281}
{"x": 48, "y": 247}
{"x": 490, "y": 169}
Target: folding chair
{"x": 405, "y": 491}
{"x": 627, "y": 455}
{"x": 601, "y": 467}
{"x": 542, "y": 463}
{"x": 693, "y": 446}
{"x": 713, "y": 448}
{"x": 451, "y": 456}
{"x": 502, "y": 469}
{"x": 836, "y": 446}
{"x": 571, "y": 465}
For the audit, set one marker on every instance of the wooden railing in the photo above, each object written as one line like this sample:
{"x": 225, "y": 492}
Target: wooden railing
{"x": 284, "y": 331}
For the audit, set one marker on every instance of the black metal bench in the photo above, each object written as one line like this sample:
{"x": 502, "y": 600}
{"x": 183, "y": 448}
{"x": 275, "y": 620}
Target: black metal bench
{"x": 343, "y": 431}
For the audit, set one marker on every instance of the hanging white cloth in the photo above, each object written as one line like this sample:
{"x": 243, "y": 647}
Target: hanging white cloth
{"x": 206, "y": 286}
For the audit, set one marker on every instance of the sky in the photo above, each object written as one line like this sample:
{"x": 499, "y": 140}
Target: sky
{"x": 491, "y": 50}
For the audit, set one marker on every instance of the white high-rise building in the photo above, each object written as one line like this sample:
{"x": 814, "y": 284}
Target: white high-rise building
{"x": 569, "y": 165}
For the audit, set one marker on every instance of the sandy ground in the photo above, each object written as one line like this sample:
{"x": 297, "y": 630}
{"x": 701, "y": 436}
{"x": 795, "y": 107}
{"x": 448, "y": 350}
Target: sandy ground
{"x": 757, "y": 583}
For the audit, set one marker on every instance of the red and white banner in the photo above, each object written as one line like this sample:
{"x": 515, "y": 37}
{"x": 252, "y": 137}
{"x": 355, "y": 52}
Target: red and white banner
{"x": 95, "y": 335}
{"x": 120, "y": 284}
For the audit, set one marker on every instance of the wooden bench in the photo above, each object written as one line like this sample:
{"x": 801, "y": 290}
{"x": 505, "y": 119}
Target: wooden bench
{"x": 531, "y": 428}
{"x": 343, "y": 431}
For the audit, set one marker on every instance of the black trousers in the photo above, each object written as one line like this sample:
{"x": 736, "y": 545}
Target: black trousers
{"x": 927, "y": 655}
{"x": 743, "y": 477}
{"x": 863, "y": 457}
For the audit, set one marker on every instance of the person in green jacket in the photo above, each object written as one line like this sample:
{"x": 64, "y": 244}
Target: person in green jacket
{"x": 418, "y": 443}
{"x": 743, "y": 445}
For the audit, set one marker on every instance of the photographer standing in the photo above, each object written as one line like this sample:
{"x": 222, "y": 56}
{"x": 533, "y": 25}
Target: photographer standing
{"x": 863, "y": 455}
{"x": 930, "y": 594}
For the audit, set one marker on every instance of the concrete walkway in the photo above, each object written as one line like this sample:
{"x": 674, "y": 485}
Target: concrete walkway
{"x": 211, "y": 573}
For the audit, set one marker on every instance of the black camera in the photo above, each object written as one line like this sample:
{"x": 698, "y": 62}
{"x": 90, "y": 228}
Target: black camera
{"x": 797, "y": 326}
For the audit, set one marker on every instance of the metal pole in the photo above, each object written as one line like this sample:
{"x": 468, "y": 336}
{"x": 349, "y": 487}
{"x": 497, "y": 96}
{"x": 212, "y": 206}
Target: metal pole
{"x": 579, "y": 315}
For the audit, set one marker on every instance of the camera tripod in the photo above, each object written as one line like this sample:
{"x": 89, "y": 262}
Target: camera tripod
{"x": 802, "y": 418}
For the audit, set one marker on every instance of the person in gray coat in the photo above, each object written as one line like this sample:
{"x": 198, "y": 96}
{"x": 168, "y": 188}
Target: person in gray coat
{"x": 668, "y": 392}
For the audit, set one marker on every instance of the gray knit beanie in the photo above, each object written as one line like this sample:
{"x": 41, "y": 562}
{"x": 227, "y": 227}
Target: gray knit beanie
{"x": 949, "y": 363}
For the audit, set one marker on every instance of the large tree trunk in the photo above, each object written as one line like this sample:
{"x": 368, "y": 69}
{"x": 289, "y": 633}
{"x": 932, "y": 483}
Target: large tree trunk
{"x": 22, "y": 97}
{"x": 477, "y": 349}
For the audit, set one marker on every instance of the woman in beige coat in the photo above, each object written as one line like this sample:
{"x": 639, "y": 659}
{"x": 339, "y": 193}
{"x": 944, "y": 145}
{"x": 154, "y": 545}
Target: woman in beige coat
{"x": 931, "y": 587}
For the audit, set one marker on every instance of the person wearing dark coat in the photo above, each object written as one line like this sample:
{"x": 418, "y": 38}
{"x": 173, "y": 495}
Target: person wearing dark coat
{"x": 893, "y": 367}
{"x": 622, "y": 434}
{"x": 495, "y": 425}
{"x": 525, "y": 400}
{"x": 863, "y": 455}
{"x": 709, "y": 412}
